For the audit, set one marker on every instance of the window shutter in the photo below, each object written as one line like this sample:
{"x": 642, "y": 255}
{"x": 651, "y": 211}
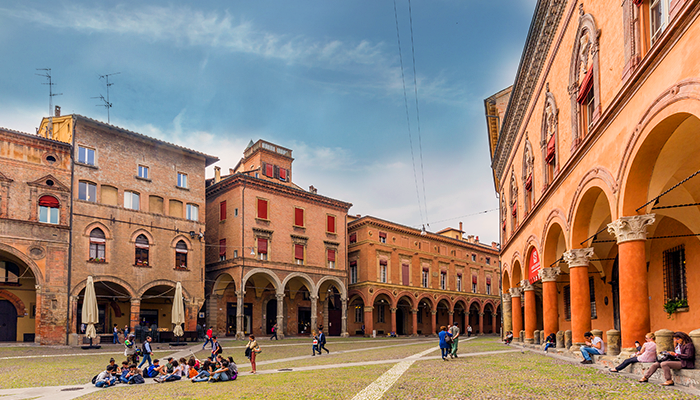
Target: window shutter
{"x": 330, "y": 224}
{"x": 474, "y": 279}
{"x": 262, "y": 246}
{"x": 551, "y": 146}
{"x": 331, "y": 255}
{"x": 488, "y": 280}
{"x": 262, "y": 208}
{"x": 277, "y": 172}
{"x": 405, "y": 271}
{"x": 299, "y": 251}
{"x": 222, "y": 247}
{"x": 353, "y": 237}
{"x": 528, "y": 183}
{"x": 353, "y": 264}
{"x": 263, "y": 168}
{"x": 269, "y": 170}
{"x": 586, "y": 85}
{"x": 222, "y": 210}
{"x": 299, "y": 216}
{"x": 515, "y": 209}
{"x": 426, "y": 269}
{"x": 48, "y": 201}
{"x": 283, "y": 174}
{"x": 382, "y": 262}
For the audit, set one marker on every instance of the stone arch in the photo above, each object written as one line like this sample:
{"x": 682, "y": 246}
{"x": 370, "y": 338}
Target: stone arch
{"x": 104, "y": 278}
{"x": 338, "y": 284}
{"x": 488, "y": 302}
{"x": 141, "y": 231}
{"x": 593, "y": 212}
{"x": 273, "y": 277}
{"x": 516, "y": 263}
{"x": 505, "y": 283}
{"x": 450, "y": 304}
{"x": 98, "y": 224}
{"x": 474, "y": 300}
{"x": 584, "y": 58}
{"x": 222, "y": 281}
{"x": 309, "y": 283}
{"x": 38, "y": 275}
{"x": 16, "y": 301}
{"x": 550, "y": 132}
{"x": 354, "y": 295}
{"x": 182, "y": 237}
{"x": 388, "y": 294}
{"x": 411, "y": 299}
{"x": 162, "y": 282}
{"x": 429, "y": 299}
{"x": 460, "y": 299}
{"x": 552, "y": 241}
{"x": 556, "y": 216}
{"x": 531, "y": 246}
{"x": 599, "y": 177}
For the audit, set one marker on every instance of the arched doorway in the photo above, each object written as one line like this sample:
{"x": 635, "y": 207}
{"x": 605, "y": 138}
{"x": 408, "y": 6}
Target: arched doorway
{"x": 474, "y": 317}
{"x": 460, "y": 315}
{"x": 271, "y": 315}
{"x": 488, "y": 318}
{"x": 330, "y": 297}
{"x": 382, "y": 314}
{"x": 19, "y": 300}
{"x": 114, "y": 305}
{"x": 404, "y": 318}
{"x": 424, "y": 317}
{"x": 356, "y": 316}
{"x": 8, "y": 321}
{"x": 224, "y": 299}
{"x": 299, "y": 305}
{"x": 443, "y": 314}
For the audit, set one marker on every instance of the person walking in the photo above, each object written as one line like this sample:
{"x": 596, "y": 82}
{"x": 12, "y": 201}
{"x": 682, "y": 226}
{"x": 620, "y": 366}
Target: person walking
{"x": 252, "y": 349}
{"x": 314, "y": 344}
{"x": 322, "y": 341}
{"x": 215, "y": 348}
{"x": 469, "y": 331}
{"x": 274, "y": 332}
{"x": 126, "y": 331}
{"x": 445, "y": 341}
{"x": 454, "y": 330}
{"x": 147, "y": 352}
{"x": 115, "y": 332}
{"x": 130, "y": 350}
{"x": 208, "y": 337}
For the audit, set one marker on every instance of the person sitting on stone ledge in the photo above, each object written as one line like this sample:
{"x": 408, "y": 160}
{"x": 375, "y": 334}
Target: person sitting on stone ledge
{"x": 594, "y": 346}
{"x": 646, "y": 354}
{"x": 551, "y": 341}
{"x": 683, "y": 357}
{"x": 508, "y": 338}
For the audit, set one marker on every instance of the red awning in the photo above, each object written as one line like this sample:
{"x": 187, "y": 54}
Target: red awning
{"x": 298, "y": 251}
{"x": 48, "y": 201}
{"x": 474, "y": 279}
{"x": 382, "y": 235}
{"x": 262, "y": 246}
{"x": 331, "y": 255}
{"x": 528, "y": 182}
{"x": 586, "y": 85}
{"x": 382, "y": 262}
{"x": 488, "y": 280}
{"x": 515, "y": 209}
{"x": 551, "y": 150}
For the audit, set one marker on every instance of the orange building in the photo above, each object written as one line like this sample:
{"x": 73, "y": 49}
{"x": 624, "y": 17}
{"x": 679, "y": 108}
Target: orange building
{"x": 408, "y": 282}
{"x": 274, "y": 251}
{"x": 595, "y": 162}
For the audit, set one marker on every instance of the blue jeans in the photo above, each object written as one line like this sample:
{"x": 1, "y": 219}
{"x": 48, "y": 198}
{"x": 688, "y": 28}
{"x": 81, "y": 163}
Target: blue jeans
{"x": 586, "y": 352}
{"x": 115, "y": 340}
{"x": 548, "y": 345}
{"x": 102, "y": 383}
{"x": 220, "y": 376}
{"x": 146, "y": 356}
{"x": 208, "y": 341}
{"x": 445, "y": 351}
{"x": 202, "y": 376}
{"x": 171, "y": 378}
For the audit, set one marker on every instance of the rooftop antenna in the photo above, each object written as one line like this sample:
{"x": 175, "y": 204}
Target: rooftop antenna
{"x": 106, "y": 104}
{"x": 47, "y": 74}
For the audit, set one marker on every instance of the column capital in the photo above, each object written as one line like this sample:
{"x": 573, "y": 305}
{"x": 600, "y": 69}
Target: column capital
{"x": 369, "y": 308}
{"x": 239, "y": 293}
{"x": 393, "y": 310}
{"x": 506, "y": 297}
{"x": 578, "y": 257}
{"x": 433, "y": 312}
{"x": 135, "y": 300}
{"x": 279, "y": 296}
{"x": 451, "y": 312}
{"x": 414, "y": 311}
{"x": 526, "y": 285}
{"x": 627, "y": 229}
{"x": 515, "y": 292}
{"x": 550, "y": 274}
{"x": 313, "y": 298}
{"x": 481, "y": 314}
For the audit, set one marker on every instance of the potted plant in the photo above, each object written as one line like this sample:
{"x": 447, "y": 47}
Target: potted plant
{"x": 675, "y": 305}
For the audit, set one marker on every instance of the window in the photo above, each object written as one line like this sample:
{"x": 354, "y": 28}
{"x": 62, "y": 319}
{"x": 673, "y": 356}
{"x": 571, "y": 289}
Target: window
{"x": 235, "y": 212}
{"x": 9, "y": 272}
{"x": 359, "y": 314}
{"x": 382, "y": 271}
{"x": 48, "y": 210}
{"x": 142, "y": 172}
{"x": 475, "y": 280}
{"x": 353, "y": 237}
{"x": 262, "y": 208}
{"x": 381, "y": 314}
{"x": 424, "y": 278}
{"x": 298, "y": 216}
{"x": 589, "y": 110}
{"x": 658, "y": 18}
{"x": 443, "y": 280}
{"x": 155, "y": 204}
{"x": 222, "y": 249}
{"x": 488, "y": 260}
{"x": 109, "y": 195}
{"x": 331, "y": 258}
{"x": 591, "y": 287}
{"x": 283, "y": 174}
{"x": 488, "y": 285}
{"x": 567, "y": 302}
{"x": 299, "y": 254}
{"x": 193, "y": 212}
{"x": 405, "y": 274}
{"x": 235, "y": 254}
{"x": 382, "y": 237}
{"x": 87, "y": 191}
{"x": 97, "y": 245}
{"x": 131, "y": 200}
{"x": 141, "y": 251}
{"x": 86, "y": 156}
{"x": 674, "y": 274}
{"x": 353, "y": 271}
{"x": 262, "y": 249}
{"x": 330, "y": 224}
{"x": 473, "y": 257}
{"x": 459, "y": 282}
{"x": 181, "y": 255}
{"x": 222, "y": 211}
{"x": 182, "y": 180}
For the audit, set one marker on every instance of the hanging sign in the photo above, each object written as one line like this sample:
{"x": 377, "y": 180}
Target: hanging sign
{"x": 534, "y": 268}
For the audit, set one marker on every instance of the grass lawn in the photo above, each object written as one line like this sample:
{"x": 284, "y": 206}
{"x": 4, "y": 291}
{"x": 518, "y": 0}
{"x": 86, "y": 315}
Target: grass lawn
{"x": 341, "y": 383}
{"x": 518, "y": 376}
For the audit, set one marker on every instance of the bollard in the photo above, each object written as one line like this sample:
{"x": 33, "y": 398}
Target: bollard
{"x": 542, "y": 338}
{"x": 614, "y": 342}
{"x": 521, "y": 338}
{"x": 568, "y": 342}
{"x": 664, "y": 340}
{"x": 695, "y": 336}
{"x": 561, "y": 343}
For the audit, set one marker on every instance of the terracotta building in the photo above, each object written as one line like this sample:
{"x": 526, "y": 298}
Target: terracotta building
{"x": 275, "y": 252}
{"x": 35, "y": 198}
{"x": 595, "y": 162}
{"x": 138, "y": 223}
{"x": 407, "y": 282}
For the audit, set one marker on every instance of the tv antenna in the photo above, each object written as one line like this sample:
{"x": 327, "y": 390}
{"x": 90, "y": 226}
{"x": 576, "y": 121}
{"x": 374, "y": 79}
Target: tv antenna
{"x": 105, "y": 101}
{"x": 47, "y": 75}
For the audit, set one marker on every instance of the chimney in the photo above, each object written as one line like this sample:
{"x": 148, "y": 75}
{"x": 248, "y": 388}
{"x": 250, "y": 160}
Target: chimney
{"x": 494, "y": 245}
{"x": 460, "y": 226}
{"x": 470, "y": 238}
{"x": 217, "y": 174}
{"x": 476, "y": 239}
{"x": 230, "y": 171}
{"x": 312, "y": 189}
{"x": 57, "y": 111}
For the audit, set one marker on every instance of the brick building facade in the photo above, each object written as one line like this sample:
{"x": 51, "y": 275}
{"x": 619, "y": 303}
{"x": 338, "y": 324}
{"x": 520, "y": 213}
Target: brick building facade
{"x": 35, "y": 198}
{"x": 275, "y": 252}
{"x": 409, "y": 282}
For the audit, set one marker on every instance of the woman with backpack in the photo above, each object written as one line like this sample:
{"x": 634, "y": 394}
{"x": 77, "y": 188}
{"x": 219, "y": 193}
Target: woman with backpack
{"x": 445, "y": 341}
{"x": 251, "y": 350}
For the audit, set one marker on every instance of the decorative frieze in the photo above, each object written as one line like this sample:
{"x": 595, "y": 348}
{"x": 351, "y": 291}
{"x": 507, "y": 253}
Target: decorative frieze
{"x": 627, "y": 229}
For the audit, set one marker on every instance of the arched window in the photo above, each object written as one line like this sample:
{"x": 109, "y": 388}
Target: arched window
{"x": 181, "y": 255}
{"x": 584, "y": 79}
{"x": 550, "y": 127}
{"x": 48, "y": 210}
{"x": 141, "y": 251}
{"x": 528, "y": 167}
{"x": 97, "y": 245}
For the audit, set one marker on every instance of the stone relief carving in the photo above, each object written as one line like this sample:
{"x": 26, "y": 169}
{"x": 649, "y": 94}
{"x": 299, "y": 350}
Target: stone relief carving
{"x": 584, "y": 51}
{"x": 550, "y": 274}
{"x": 578, "y": 257}
{"x": 626, "y": 229}
{"x": 526, "y": 285}
{"x": 506, "y": 297}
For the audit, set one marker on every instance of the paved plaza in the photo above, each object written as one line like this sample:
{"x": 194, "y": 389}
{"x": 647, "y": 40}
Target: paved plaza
{"x": 356, "y": 368}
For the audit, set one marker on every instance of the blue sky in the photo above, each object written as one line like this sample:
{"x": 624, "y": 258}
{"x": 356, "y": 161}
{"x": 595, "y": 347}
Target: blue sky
{"x": 320, "y": 77}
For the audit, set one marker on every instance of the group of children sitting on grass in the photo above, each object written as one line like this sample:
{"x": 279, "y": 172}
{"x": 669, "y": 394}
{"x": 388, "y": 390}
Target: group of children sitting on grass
{"x": 217, "y": 369}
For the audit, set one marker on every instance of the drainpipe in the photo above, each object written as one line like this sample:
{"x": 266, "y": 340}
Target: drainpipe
{"x": 70, "y": 236}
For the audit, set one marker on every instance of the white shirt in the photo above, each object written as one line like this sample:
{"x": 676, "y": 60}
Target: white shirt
{"x": 597, "y": 340}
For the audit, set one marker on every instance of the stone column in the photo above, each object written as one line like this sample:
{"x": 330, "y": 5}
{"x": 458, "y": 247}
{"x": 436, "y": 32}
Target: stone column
{"x": 213, "y": 311}
{"x": 240, "y": 298}
{"x": 325, "y": 314}
{"x": 580, "y": 292}
{"x": 135, "y": 316}
{"x": 507, "y": 313}
{"x": 393, "y": 319}
{"x": 451, "y": 317}
{"x": 344, "y": 317}
{"x": 550, "y": 307}
{"x": 369, "y": 320}
{"x": 631, "y": 234}
{"x": 280, "y": 315}
{"x": 433, "y": 322}
{"x": 494, "y": 323}
{"x": 530, "y": 311}
{"x": 481, "y": 323}
{"x": 314, "y": 312}
{"x": 415, "y": 322}
{"x": 515, "y": 294}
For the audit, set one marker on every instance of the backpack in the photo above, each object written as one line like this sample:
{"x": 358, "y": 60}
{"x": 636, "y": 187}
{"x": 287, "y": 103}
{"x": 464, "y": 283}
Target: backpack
{"x": 94, "y": 379}
{"x": 247, "y": 352}
{"x": 137, "y": 379}
{"x": 448, "y": 339}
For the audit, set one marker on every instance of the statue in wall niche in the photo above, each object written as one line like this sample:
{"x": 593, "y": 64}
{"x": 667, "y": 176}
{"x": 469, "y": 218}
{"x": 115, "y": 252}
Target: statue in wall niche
{"x": 550, "y": 121}
{"x": 529, "y": 160}
{"x": 584, "y": 47}
{"x": 513, "y": 188}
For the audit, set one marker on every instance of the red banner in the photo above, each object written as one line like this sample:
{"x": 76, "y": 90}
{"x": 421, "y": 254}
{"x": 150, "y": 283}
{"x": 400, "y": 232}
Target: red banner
{"x": 534, "y": 268}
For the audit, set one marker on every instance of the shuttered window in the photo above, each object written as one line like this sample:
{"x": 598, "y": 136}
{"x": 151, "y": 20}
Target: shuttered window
{"x": 567, "y": 302}
{"x": 222, "y": 210}
{"x": 330, "y": 224}
{"x": 262, "y": 209}
{"x": 299, "y": 253}
{"x": 299, "y": 216}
